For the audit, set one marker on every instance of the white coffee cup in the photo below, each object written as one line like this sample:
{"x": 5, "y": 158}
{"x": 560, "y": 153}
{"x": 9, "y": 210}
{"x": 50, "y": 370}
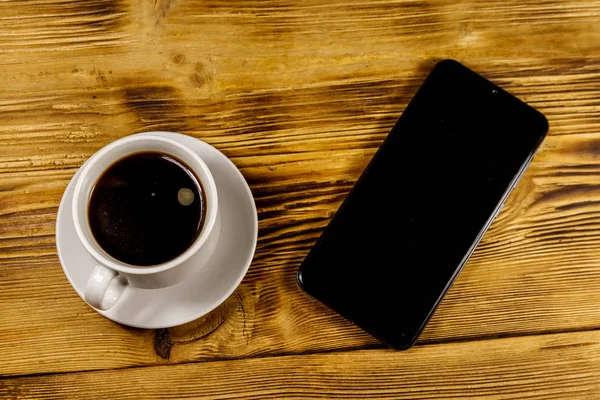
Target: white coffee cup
{"x": 111, "y": 277}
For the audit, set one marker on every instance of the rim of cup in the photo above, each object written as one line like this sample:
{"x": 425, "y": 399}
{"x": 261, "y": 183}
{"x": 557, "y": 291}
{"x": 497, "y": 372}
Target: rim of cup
{"x": 198, "y": 167}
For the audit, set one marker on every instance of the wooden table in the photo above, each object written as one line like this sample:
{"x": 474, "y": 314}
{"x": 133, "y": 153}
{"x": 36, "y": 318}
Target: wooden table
{"x": 299, "y": 94}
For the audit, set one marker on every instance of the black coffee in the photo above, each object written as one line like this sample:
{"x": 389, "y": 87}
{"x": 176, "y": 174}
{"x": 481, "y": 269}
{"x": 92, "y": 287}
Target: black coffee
{"x": 146, "y": 209}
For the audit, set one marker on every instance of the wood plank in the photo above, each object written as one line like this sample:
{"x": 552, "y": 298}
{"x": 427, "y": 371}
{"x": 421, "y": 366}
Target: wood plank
{"x": 536, "y": 367}
{"x": 300, "y": 104}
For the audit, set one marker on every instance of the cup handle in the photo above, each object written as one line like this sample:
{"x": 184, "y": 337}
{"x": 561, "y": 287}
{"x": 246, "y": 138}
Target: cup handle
{"x": 104, "y": 288}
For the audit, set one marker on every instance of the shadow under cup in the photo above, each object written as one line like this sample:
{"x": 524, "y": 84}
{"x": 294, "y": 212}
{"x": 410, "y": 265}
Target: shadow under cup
{"x": 167, "y": 273}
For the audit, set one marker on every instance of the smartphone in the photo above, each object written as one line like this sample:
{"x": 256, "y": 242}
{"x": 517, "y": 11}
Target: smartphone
{"x": 416, "y": 214}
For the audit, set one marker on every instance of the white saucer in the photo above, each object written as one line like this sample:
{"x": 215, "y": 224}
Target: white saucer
{"x": 211, "y": 286}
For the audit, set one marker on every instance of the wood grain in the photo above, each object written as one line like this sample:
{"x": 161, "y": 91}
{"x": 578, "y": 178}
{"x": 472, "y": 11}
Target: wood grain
{"x": 300, "y": 103}
{"x": 537, "y": 367}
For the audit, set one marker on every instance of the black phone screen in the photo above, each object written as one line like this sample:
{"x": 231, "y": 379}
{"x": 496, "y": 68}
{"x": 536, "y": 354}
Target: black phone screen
{"x": 417, "y": 212}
